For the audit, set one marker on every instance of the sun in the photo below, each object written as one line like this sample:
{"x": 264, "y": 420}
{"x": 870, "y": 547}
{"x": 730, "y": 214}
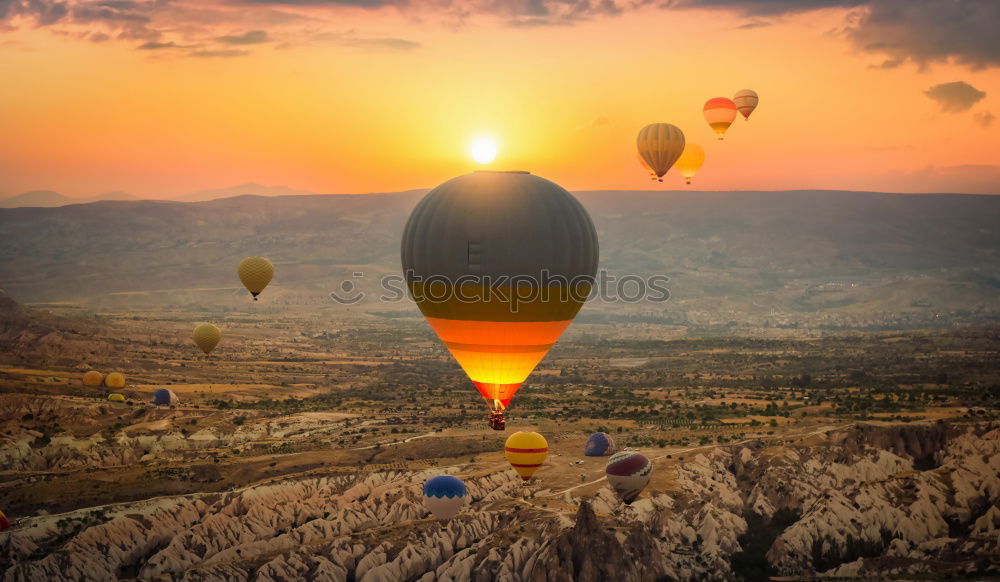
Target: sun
{"x": 483, "y": 149}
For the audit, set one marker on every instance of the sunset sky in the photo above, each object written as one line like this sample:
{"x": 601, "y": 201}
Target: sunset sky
{"x": 161, "y": 98}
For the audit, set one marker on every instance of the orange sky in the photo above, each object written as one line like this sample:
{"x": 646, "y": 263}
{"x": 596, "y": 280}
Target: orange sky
{"x": 354, "y": 100}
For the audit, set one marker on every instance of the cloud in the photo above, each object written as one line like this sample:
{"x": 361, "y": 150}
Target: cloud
{"x": 249, "y": 37}
{"x": 916, "y": 30}
{"x": 327, "y": 3}
{"x": 156, "y": 46}
{"x": 888, "y": 64}
{"x": 219, "y": 53}
{"x": 127, "y": 18}
{"x": 157, "y": 17}
{"x": 925, "y": 32}
{"x": 984, "y": 118}
{"x": 755, "y": 23}
{"x": 955, "y": 97}
{"x": 770, "y": 7}
{"x": 392, "y": 43}
{"x": 351, "y": 39}
{"x": 42, "y": 12}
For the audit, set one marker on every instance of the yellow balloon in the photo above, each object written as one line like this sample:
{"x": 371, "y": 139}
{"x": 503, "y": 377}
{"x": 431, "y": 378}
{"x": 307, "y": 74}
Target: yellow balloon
{"x": 115, "y": 397}
{"x": 255, "y": 273}
{"x": 526, "y": 451}
{"x": 207, "y": 336}
{"x": 93, "y": 378}
{"x": 114, "y": 380}
{"x": 660, "y": 144}
{"x": 690, "y": 161}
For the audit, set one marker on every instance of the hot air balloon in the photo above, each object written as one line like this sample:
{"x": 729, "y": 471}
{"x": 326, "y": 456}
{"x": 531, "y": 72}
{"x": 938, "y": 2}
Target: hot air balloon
{"x": 642, "y": 162}
{"x": 116, "y": 397}
{"x": 115, "y": 380}
{"x": 4, "y": 522}
{"x": 255, "y": 273}
{"x": 690, "y": 161}
{"x": 746, "y": 101}
{"x": 599, "y": 444}
{"x": 720, "y": 113}
{"x": 499, "y": 263}
{"x": 660, "y": 144}
{"x": 164, "y": 396}
{"x": 628, "y": 472}
{"x": 445, "y": 496}
{"x": 526, "y": 451}
{"x": 93, "y": 378}
{"x": 207, "y": 336}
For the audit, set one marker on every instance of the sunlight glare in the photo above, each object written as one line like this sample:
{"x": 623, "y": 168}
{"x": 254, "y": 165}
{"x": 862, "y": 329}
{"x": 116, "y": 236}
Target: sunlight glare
{"x": 483, "y": 150}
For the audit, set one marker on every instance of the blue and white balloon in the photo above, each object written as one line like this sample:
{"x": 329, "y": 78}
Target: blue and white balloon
{"x": 599, "y": 444}
{"x": 445, "y": 496}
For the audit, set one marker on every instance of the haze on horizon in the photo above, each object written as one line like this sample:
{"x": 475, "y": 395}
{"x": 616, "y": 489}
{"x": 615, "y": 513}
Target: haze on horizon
{"x": 161, "y": 99}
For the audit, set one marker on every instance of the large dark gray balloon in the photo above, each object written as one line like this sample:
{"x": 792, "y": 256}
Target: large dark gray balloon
{"x": 499, "y": 223}
{"x": 499, "y": 263}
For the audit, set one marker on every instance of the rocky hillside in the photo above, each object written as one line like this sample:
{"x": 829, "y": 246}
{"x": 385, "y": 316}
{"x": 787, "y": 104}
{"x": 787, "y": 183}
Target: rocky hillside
{"x": 870, "y": 501}
{"x": 34, "y": 335}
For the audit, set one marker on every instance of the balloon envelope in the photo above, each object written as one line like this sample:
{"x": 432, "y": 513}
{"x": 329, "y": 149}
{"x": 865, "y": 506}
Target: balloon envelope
{"x": 116, "y": 397}
{"x": 746, "y": 101}
{"x": 255, "y": 273}
{"x": 629, "y": 473}
{"x": 207, "y": 336}
{"x": 93, "y": 378}
{"x": 659, "y": 145}
{"x": 445, "y": 496}
{"x": 690, "y": 161}
{"x": 164, "y": 396}
{"x": 4, "y": 522}
{"x": 114, "y": 380}
{"x": 599, "y": 444}
{"x": 642, "y": 162}
{"x": 499, "y": 263}
{"x": 526, "y": 452}
{"x": 720, "y": 114}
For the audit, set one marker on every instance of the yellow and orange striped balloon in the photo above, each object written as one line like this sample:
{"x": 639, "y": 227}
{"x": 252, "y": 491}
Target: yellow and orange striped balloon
{"x": 526, "y": 452}
{"x": 497, "y": 346}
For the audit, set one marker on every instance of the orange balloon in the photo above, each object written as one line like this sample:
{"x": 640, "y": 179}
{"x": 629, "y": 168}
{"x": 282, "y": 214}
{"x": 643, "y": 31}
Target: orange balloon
{"x": 93, "y": 378}
{"x": 720, "y": 113}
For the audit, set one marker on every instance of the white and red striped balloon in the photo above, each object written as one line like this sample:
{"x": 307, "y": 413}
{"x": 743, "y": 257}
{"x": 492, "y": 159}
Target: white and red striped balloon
{"x": 629, "y": 473}
{"x": 746, "y": 101}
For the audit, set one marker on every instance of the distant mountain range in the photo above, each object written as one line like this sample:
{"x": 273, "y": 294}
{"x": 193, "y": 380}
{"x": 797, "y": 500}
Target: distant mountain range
{"x": 730, "y": 256}
{"x": 248, "y": 189}
{"x": 50, "y": 199}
